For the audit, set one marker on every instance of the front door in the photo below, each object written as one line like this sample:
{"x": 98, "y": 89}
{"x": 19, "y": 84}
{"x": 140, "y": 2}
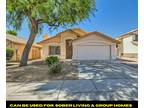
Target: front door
{"x": 69, "y": 49}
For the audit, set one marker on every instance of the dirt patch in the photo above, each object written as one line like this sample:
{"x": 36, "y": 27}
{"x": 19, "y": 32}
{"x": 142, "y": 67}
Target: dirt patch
{"x": 39, "y": 72}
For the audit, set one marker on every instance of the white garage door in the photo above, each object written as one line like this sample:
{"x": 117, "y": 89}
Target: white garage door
{"x": 101, "y": 52}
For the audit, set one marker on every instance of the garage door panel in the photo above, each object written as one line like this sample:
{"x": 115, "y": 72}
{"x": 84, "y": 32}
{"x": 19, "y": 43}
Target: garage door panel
{"x": 101, "y": 52}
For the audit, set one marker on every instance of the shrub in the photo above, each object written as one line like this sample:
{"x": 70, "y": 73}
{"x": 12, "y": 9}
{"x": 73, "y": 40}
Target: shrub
{"x": 9, "y": 53}
{"x": 51, "y": 60}
{"x": 12, "y": 32}
{"x": 55, "y": 68}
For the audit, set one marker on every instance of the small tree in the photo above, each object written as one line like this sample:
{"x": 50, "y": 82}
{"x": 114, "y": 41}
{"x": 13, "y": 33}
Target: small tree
{"x": 54, "y": 13}
{"x": 55, "y": 68}
{"x": 9, "y": 53}
{"x": 12, "y": 32}
{"x": 51, "y": 60}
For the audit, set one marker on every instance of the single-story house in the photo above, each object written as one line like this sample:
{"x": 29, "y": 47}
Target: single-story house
{"x": 129, "y": 44}
{"x": 18, "y": 44}
{"x": 77, "y": 44}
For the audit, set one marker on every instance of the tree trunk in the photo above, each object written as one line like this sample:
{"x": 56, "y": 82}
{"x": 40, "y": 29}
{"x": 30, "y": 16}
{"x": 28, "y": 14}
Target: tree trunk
{"x": 28, "y": 45}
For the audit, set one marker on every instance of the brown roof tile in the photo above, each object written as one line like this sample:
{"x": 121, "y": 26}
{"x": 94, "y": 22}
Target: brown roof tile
{"x": 78, "y": 31}
{"x": 18, "y": 40}
{"x": 135, "y": 31}
{"x": 103, "y": 35}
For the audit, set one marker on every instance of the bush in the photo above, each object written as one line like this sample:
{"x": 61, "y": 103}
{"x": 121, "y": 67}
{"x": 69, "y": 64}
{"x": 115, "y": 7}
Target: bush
{"x": 9, "y": 53}
{"x": 12, "y": 32}
{"x": 51, "y": 60}
{"x": 55, "y": 68}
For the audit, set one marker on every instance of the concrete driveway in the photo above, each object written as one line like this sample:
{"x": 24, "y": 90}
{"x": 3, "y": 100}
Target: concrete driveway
{"x": 98, "y": 80}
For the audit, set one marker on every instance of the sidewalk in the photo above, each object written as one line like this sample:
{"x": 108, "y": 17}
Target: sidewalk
{"x": 73, "y": 90}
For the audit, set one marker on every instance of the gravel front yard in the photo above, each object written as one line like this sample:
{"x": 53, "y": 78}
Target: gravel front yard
{"x": 39, "y": 72}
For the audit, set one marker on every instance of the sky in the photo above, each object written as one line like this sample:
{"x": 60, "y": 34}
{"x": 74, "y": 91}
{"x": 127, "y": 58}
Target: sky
{"x": 113, "y": 18}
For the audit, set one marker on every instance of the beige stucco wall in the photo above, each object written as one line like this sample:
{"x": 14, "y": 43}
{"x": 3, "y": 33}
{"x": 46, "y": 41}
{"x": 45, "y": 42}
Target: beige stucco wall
{"x": 94, "y": 40}
{"x": 20, "y": 48}
{"x": 63, "y": 37}
{"x": 128, "y": 46}
{"x": 45, "y": 50}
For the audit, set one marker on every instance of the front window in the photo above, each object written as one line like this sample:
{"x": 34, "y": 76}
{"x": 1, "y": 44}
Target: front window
{"x": 135, "y": 38}
{"x": 54, "y": 50}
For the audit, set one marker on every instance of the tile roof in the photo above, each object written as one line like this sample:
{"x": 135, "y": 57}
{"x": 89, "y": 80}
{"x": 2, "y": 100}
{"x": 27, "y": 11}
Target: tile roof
{"x": 101, "y": 34}
{"x": 78, "y": 31}
{"x": 135, "y": 31}
{"x": 18, "y": 40}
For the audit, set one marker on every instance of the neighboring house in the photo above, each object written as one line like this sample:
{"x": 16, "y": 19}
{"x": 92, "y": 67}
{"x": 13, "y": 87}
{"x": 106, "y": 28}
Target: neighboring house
{"x": 18, "y": 44}
{"x": 77, "y": 44}
{"x": 129, "y": 44}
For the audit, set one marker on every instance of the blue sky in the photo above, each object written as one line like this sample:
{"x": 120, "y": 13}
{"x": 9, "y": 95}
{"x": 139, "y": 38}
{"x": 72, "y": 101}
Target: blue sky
{"x": 113, "y": 17}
